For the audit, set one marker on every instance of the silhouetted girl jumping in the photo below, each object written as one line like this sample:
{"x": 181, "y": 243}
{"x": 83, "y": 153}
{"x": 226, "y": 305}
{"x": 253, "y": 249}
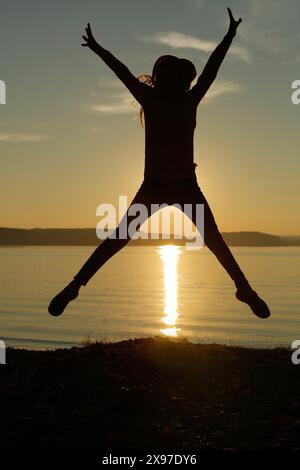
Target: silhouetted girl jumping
{"x": 169, "y": 106}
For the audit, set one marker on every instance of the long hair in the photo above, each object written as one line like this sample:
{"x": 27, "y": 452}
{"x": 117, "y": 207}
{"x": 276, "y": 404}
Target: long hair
{"x": 184, "y": 67}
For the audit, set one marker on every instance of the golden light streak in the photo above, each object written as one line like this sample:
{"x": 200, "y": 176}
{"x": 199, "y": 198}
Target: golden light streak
{"x": 169, "y": 255}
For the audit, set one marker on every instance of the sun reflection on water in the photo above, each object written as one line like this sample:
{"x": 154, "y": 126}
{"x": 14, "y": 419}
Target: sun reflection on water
{"x": 169, "y": 255}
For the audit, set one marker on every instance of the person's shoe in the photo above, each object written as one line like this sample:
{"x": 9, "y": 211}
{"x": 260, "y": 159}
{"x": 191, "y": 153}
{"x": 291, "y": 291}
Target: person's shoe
{"x": 257, "y": 305}
{"x": 61, "y": 300}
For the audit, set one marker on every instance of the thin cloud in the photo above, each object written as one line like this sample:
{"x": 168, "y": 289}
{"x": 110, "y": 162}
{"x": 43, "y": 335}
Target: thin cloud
{"x": 184, "y": 41}
{"x": 269, "y": 27}
{"x": 119, "y": 103}
{"x": 272, "y": 26}
{"x": 220, "y": 87}
{"x": 124, "y": 103}
{"x": 22, "y": 137}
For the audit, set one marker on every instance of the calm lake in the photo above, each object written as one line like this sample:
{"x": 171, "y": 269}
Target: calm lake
{"x": 146, "y": 291}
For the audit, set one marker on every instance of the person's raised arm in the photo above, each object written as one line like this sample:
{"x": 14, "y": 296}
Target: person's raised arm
{"x": 139, "y": 90}
{"x": 214, "y": 62}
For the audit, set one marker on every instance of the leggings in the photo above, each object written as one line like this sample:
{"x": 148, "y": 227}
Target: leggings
{"x": 167, "y": 192}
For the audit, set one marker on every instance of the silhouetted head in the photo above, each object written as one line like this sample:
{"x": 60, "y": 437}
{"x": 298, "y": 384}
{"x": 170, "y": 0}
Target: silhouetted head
{"x": 171, "y": 74}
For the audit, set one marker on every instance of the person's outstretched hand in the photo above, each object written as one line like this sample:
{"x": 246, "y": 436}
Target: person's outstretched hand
{"x": 233, "y": 23}
{"x": 90, "y": 41}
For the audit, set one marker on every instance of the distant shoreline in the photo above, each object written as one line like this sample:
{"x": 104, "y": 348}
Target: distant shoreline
{"x": 87, "y": 237}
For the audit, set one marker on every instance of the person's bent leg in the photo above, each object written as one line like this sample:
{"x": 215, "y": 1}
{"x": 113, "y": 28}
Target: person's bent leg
{"x": 214, "y": 241}
{"x": 117, "y": 240}
{"x": 213, "y": 238}
{"x": 108, "y": 248}
{"x": 101, "y": 254}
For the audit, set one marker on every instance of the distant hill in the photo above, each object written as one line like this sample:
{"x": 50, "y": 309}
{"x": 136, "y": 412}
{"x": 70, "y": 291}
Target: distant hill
{"x": 87, "y": 236}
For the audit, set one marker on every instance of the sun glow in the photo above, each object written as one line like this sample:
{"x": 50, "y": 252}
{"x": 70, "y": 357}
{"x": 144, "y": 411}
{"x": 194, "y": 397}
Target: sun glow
{"x": 169, "y": 255}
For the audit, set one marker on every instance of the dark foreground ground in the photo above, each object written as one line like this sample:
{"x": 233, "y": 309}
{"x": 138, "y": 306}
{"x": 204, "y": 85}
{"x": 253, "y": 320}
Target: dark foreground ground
{"x": 150, "y": 393}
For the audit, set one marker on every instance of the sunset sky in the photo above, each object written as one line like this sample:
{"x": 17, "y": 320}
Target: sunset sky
{"x": 70, "y": 138}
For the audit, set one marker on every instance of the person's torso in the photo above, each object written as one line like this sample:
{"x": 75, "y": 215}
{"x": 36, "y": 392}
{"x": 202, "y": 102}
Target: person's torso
{"x": 169, "y": 138}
